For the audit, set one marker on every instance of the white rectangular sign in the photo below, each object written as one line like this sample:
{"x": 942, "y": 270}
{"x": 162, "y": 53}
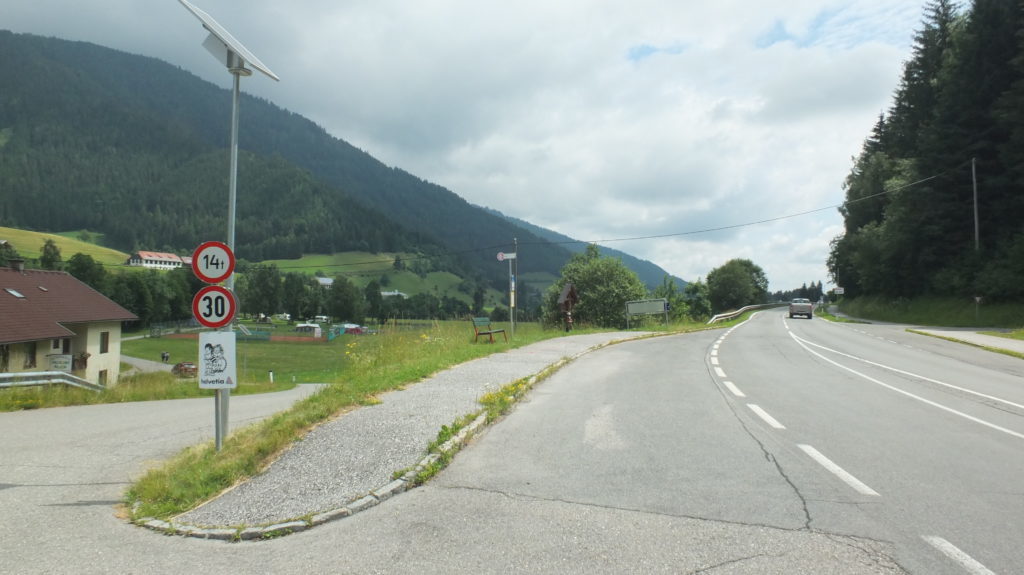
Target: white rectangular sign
{"x": 217, "y": 368}
{"x": 60, "y": 362}
{"x": 647, "y": 306}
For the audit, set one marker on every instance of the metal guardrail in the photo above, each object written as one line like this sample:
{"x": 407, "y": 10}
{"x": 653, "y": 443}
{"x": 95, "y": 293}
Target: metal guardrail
{"x": 742, "y": 311}
{"x": 34, "y": 378}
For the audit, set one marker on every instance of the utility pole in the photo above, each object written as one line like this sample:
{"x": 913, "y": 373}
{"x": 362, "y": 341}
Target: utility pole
{"x": 977, "y": 232}
{"x": 974, "y": 178}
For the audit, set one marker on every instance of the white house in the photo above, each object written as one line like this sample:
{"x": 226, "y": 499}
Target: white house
{"x": 159, "y": 260}
{"x": 54, "y": 322}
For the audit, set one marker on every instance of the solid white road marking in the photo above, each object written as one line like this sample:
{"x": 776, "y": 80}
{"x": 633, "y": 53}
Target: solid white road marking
{"x": 801, "y": 342}
{"x": 735, "y": 390}
{"x": 719, "y": 372}
{"x": 966, "y": 561}
{"x": 764, "y": 415}
{"x": 910, "y": 374}
{"x": 838, "y": 471}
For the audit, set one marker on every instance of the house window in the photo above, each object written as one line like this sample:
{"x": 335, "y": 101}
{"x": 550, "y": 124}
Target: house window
{"x": 104, "y": 341}
{"x": 30, "y": 354}
{"x": 55, "y": 344}
{"x": 103, "y": 377}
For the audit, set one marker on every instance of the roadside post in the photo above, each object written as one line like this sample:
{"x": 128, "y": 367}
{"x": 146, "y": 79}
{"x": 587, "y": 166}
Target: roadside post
{"x": 511, "y": 257}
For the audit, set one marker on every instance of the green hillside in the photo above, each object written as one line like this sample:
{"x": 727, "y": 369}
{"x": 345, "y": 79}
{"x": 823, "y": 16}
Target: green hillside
{"x": 362, "y": 267}
{"x": 29, "y": 244}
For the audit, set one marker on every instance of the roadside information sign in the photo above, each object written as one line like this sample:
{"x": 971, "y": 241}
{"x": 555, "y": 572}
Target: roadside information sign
{"x": 214, "y": 306}
{"x": 213, "y": 262}
{"x": 502, "y": 256}
{"x": 217, "y": 366}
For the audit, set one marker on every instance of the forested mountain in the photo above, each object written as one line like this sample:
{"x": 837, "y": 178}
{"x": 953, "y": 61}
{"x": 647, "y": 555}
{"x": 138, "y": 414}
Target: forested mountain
{"x": 95, "y": 139}
{"x": 651, "y": 274}
{"x": 909, "y": 211}
{"x": 136, "y": 148}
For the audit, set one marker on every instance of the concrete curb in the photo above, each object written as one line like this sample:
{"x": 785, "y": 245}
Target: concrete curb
{"x": 372, "y": 499}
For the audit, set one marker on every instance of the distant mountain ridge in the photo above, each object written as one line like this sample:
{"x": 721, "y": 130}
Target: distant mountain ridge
{"x": 650, "y": 273}
{"x": 135, "y": 148}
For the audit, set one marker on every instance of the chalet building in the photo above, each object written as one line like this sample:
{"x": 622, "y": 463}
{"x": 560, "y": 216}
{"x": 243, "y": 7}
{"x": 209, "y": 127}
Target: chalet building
{"x": 54, "y": 322}
{"x": 159, "y": 260}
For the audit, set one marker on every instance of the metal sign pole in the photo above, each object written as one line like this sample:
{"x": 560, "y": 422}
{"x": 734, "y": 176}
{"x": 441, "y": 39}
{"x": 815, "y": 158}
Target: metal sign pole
{"x": 512, "y": 298}
{"x": 223, "y": 399}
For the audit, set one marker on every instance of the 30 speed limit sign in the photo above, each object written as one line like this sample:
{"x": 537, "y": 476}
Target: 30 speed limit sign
{"x": 214, "y": 306}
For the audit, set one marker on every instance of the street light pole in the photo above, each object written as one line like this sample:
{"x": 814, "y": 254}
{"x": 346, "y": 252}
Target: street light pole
{"x": 229, "y": 51}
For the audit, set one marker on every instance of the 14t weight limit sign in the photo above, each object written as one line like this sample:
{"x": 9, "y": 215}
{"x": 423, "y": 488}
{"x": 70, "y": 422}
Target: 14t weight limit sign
{"x": 213, "y": 262}
{"x": 214, "y": 306}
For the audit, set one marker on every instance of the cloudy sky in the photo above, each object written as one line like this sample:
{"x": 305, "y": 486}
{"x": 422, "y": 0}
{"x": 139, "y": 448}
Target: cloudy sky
{"x": 656, "y": 119}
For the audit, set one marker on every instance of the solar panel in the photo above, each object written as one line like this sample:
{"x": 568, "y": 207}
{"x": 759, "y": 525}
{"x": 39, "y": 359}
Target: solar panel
{"x": 229, "y": 41}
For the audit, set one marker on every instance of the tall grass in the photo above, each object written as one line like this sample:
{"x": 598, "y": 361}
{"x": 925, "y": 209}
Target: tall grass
{"x": 137, "y": 387}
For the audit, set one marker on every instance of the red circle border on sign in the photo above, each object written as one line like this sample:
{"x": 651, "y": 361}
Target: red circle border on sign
{"x": 211, "y": 279}
{"x": 231, "y": 301}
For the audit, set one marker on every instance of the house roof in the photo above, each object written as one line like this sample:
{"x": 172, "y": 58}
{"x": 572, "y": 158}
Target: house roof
{"x": 160, "y": 256}
{"x": 36, "y": 304}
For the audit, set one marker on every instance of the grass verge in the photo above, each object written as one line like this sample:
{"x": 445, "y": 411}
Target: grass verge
{"x": 1008, "y": 352}
{"x": 946, "y": 312}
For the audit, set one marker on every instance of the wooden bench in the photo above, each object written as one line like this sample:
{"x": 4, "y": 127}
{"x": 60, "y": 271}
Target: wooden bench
{"x": 482, "y": 326}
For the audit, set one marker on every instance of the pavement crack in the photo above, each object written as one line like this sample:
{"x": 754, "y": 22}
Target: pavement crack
{"x": 867, "y": 548}
{"x": 716, "y": 566}
{"x": 768, "y": 456}
{"x": 522, "y": 496}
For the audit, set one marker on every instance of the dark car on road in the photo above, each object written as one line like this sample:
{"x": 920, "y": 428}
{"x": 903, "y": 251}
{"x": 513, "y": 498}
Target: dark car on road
{"x": 184, "y": 369}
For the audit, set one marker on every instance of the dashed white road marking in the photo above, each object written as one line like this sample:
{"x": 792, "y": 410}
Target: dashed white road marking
{"x": 735, "y": 390}
{"x": 764, "y": 415}
{"x": 719, "y": 372}
{"x": 953, "y": 552}
{"x": 714, "y": 360}
{"x": 839, "y": 472}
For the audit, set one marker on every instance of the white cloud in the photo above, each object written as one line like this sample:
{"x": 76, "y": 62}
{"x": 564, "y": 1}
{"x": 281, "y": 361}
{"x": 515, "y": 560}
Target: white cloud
{"x": 598, "y": 119}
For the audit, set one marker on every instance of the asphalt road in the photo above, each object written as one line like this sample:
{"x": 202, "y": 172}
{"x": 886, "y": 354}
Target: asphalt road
{"x": 926, "y": 436}
{"x": 775, "y": 447}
